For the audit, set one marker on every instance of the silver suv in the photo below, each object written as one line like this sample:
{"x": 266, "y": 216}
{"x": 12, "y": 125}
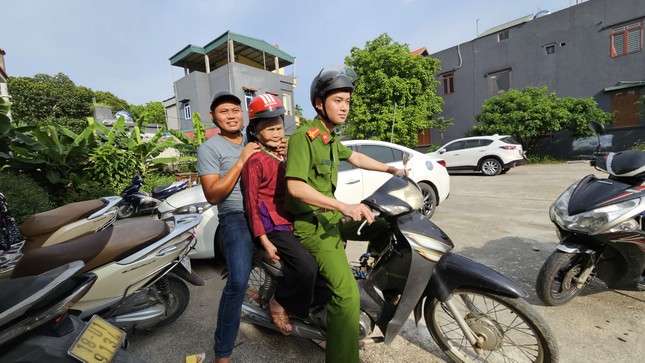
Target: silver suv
{"x": 492, "y": 155}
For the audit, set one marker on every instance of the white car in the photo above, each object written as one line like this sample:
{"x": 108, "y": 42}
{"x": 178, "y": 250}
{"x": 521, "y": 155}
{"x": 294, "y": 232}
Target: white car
{"x": 492, "y": 155}
{"x": 354, "y": 185}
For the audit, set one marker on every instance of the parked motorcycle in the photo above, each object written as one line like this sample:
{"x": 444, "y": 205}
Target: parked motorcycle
{"x": 472, "y": 312}
{"x": 60, "y": 225}
{"x": 138, "y": 202}
{"x": 35, "y": 325}
{"x": 600, "y": 225}
{"x": 141, "y": 268}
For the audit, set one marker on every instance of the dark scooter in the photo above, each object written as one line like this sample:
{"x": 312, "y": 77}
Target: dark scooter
{"x": 138, "y": 202}
{"x": 600, "y": 225}
{"x": 37, "y": 325}
{"x": 472, "y": 312}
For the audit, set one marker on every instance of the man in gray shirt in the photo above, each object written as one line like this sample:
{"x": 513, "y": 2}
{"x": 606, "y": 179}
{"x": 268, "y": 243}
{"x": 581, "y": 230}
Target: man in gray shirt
{"x": 219, "y": 163}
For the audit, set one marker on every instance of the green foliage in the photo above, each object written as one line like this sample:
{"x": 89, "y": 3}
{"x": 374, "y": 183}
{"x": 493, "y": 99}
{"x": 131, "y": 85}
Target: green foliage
{"x": 151, "y": 113}
{"x": 111, "y": 165}
{"x": 52, "y": 152}
{"x": 24, "y": 196}
{"x": 187, "y": 146}
{"x": 639, "y": 147}
{"x": 154, "y": 179}
{"x": 142, "y": 152}
{"x": 391, "y": 79}
{"x": 110, "y": 100}
{"x": 45, "y": 97}
{"x": 530, "y": 113}
{"x": 541, "y": 159}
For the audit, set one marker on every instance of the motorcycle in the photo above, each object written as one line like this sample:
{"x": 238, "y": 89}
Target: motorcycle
{"x": 141, "y": 268}
{"x": 60, "y": 225}
{"x": 472, "y": 312}
{"x": 138, "y": 202}
{"x": 35, "y": 325}
{"x": 600, "y": 224}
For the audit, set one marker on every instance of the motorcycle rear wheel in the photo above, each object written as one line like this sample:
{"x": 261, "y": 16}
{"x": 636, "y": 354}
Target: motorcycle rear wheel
{"x": 178, "y": 299}
{"x": 556, "y": 282}
{"x": 510, "y": 328}
{"x": 260, "y": 288}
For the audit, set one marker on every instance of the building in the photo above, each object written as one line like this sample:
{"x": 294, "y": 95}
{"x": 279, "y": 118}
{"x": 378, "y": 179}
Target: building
{"x": 243, "y": 65}
{"x": 593, "y": 49}
{"x": 4, "y": 90}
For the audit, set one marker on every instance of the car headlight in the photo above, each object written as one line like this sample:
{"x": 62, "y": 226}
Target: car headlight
{"x": 598, "y": 219}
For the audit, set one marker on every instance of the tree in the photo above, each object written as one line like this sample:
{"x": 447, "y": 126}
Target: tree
{"x": 393, "y": 85}
{"x": 45, "y": 98}
{"x": 151, "y": 112}
{"x": 530, "y": 113}
{"x": 108, "y": 99}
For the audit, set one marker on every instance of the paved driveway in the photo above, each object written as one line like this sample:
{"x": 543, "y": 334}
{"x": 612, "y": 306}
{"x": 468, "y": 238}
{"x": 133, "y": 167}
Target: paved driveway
{"x": 500, "y": 221}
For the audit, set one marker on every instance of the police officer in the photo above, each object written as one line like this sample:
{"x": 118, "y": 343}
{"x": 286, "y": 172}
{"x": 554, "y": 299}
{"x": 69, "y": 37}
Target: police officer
{"x": 312, "y": 173}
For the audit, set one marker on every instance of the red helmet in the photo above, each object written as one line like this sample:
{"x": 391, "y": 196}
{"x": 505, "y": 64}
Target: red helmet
{"x": 265, "y": 106}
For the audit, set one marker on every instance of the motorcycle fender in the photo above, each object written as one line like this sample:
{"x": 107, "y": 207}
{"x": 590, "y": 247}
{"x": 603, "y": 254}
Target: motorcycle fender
{"x": 454, "y": 271}
{"x": 569, "y": 245}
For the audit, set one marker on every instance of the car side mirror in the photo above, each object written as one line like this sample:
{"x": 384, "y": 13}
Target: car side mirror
{"x": 441, "y": 151}
{"x": 406, "y": 159}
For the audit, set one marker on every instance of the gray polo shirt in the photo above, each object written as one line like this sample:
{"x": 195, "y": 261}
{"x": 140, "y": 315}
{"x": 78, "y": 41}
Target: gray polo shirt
{"x": 217, "y": 156}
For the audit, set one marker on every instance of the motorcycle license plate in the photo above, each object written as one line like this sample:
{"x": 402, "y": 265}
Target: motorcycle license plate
{"x": 186, "y": 263}
{"x": 98, "y": 342}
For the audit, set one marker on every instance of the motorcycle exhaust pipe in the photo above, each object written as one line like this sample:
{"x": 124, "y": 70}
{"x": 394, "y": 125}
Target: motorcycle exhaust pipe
{"x": 259, "y": 316}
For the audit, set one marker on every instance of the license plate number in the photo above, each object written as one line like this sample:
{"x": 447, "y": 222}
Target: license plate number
{"x": 98, "y": 342}
{"x": 186, "y": 263}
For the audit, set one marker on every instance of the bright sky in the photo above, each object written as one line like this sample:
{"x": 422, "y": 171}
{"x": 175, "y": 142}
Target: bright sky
{"x": 123, "y": 46}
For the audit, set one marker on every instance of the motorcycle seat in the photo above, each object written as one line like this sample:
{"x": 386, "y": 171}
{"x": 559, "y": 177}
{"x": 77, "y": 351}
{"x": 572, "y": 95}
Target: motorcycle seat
{"x": 629, "y": 163}
{"x": 50, "y": 221}
{"x": 161, "y": 188}
{"x": 96, "y": 249}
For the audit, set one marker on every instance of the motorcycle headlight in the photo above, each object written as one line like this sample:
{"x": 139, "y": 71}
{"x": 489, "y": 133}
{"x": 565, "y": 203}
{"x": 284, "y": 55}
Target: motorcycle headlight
{"x": 560, "y": 207}
{"x": 412, "y": 197}
{"x": 598, "y": 219}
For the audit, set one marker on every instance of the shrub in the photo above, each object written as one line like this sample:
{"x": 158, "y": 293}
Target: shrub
{"x": 154, "y": 179}
{"x": 639, "y": 147}
{"x": 541, "y": 159}
{"x": 24, "y": 196}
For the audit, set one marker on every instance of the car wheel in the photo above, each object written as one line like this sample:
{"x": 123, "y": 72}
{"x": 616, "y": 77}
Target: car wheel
{"x": 491, "y": 167}
{"x": 429, "y": 199}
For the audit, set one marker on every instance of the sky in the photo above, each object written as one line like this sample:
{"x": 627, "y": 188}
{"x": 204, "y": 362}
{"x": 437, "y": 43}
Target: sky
{"x": 124, "y": 46}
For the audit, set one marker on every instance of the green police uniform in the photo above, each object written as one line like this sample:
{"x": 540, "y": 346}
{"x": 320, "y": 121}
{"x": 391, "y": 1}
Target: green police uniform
{"x": 313, "y": 157}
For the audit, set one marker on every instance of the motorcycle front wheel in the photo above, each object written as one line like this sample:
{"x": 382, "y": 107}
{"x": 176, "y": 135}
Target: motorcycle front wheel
{"x": 509, "y": 330}
{"x": 125, "y": 211}
{"x": 558, "y": 279}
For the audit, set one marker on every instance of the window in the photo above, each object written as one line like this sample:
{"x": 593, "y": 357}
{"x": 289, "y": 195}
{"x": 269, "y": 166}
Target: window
{"x": 456, "y": 146}
{"x": 626, "y": 39}
{"x": 472, "y": 143}
{"x": 382, "y": 153}
{"x": 187, "y": 113}
{"x": 448, "y": 83}
{"x": 502, "y": 36}
{"x": 499, "y": 81}
{"x": 550, "y": 48}
{"x": 249, "y": 94}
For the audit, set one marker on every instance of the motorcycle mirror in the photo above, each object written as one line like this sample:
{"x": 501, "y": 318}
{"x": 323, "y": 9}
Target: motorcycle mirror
{"x": 406, "y": 158}
{"x": 596, "y": 127}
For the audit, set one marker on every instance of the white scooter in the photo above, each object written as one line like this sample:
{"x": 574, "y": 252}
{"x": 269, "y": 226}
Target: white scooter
{"x": 60, "y": 225}
{"x": 140, "y": 266}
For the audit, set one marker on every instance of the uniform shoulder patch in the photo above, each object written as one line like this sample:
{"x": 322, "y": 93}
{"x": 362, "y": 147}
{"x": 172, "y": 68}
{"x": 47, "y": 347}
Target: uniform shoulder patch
{"x": 313, "y": 133}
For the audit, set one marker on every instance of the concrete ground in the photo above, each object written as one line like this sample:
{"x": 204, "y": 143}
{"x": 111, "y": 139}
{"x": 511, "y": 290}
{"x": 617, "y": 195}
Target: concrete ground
{"x": 500, "y": 221}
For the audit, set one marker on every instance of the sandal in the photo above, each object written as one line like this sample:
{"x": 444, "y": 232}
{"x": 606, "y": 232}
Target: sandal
{"x": 280, "y": 319}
